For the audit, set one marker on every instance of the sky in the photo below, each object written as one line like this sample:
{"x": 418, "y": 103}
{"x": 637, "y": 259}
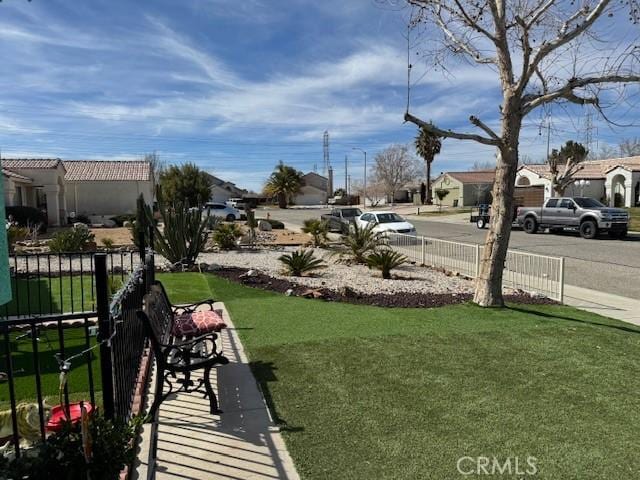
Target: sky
{"x": 235, "y": 86}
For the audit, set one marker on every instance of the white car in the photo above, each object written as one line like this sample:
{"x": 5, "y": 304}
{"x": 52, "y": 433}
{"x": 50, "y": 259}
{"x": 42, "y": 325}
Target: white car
{"x": 389, "y": 222}
{"x": 223, "y": 211}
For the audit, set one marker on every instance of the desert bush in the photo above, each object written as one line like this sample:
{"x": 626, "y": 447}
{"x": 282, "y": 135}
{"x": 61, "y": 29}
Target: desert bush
{"x": 82, "y": 219}
{"x": 226, "y": 235}
{"x": 361, "y": 241}
{"x": 28, "y": 217}
{"x": 318, "y": 229}
{"x": 107, "y": 242}
{"x": 300, "y": 262}
{"x": 16, "y": 234}
{"x": 386, "y": 260}
{"x": 77, "y": 239}
{"x": 120, "y": 219}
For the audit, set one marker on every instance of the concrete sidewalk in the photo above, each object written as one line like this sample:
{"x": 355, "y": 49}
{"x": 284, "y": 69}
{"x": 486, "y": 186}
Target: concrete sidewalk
{"x": 606, "y": 304}
{"x": 241, "y": 443}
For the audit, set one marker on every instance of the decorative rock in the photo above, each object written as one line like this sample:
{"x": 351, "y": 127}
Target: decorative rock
{"x": 264, "y": 226}
{"x": 127, "y": 224}
{"x": 289, "y": 292}
{"x": 312, "y": 293}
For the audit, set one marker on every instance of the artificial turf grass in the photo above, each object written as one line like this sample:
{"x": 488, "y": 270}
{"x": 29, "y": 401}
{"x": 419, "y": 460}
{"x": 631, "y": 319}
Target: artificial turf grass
{"x": 367, "y": 392}
{"x": 22, "y": 358}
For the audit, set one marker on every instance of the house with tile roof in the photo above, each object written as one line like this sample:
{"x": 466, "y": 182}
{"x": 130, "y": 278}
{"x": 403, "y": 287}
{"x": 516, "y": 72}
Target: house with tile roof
{"x": 464, "y": 188}
{"x": 615, "y": 181}
{"x": 96, "y": 188}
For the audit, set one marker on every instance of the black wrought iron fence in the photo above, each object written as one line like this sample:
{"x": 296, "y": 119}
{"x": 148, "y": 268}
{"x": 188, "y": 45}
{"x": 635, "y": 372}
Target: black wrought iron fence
{"x": 47, "y": 283}
{"x": 99, "y": 353}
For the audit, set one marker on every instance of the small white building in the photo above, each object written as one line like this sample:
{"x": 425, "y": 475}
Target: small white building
{"x": 615, "y": 182}
{"x": 92, "y": 188}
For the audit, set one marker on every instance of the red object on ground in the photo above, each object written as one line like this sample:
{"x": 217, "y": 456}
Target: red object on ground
{"x": 57, "y": 419}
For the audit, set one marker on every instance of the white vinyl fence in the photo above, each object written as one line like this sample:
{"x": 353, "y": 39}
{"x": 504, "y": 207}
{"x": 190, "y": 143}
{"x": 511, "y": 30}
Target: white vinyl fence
{"x": 530, "y": 272}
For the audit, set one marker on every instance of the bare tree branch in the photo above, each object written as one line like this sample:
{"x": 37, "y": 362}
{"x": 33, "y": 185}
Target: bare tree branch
{"x": 429, "y": 127}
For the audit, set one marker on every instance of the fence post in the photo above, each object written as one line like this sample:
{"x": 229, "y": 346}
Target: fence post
{"x": 104, "y": 332}
{"x": 151, "y": 237}
{"x": 142, "y": 246}
{"x": 561, "y": 275}
{"x": 477, "y": 260}
{"x": 149, "y": 271}
{"x": 423, "y": 255}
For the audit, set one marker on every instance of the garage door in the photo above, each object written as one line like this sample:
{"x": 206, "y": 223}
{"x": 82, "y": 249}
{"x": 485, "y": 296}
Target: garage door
{"x": 529, "y": 196}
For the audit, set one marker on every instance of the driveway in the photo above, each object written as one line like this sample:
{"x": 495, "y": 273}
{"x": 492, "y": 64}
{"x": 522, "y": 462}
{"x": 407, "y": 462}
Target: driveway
{"x": 605, "y": 265}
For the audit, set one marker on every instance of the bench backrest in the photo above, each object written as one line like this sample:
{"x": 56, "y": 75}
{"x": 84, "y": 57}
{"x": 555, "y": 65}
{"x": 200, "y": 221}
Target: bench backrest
{"x": 157, "y": 316}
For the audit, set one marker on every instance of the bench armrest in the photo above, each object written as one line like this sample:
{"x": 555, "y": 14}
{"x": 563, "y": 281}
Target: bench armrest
{"x": 191, "y": 307}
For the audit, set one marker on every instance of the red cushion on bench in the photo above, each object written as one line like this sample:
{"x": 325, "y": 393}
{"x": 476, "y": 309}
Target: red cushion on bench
{"x": 197, "y": 323}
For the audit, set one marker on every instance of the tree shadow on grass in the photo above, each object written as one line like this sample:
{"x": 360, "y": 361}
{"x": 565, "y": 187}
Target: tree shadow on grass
{"x": 629, "y": 329}
{"x": 264, "y": 372}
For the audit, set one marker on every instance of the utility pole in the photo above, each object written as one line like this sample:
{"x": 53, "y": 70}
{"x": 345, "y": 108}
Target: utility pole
{"x": 325, "y": 151}
{"x": 364, "y": 200}
{"x": 547, "y": 126}
{"x": 346, "y": 173}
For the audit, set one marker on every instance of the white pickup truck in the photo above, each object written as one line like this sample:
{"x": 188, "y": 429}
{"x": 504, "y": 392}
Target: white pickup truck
{"x": 586, "y": 215}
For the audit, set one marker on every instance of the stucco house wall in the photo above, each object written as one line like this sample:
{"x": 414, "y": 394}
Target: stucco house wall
{"x": 106, "y": 198}
{"x": 313, "y": 191}
{"x": 453, "y": 186}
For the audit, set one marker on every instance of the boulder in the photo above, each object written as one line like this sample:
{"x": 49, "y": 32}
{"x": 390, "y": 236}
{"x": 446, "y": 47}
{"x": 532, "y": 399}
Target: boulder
{"x": 127, "y": 224}
{"x": 264, "y": 226}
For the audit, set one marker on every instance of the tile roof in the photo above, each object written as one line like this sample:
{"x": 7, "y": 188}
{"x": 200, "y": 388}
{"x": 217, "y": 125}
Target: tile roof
{"x": 478, "y": 176}
{"x": 107, "y": 170}
{"x": 9, "y": 173}
{"x": 592, "y": 169}
{"x": 26, "y": 163}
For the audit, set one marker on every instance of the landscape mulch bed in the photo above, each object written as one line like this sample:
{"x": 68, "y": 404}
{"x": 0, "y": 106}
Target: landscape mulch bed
{"x": 406, "y": 300}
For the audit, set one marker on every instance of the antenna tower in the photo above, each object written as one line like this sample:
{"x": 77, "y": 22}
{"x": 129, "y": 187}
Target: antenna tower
{"x": 325, "y": 147}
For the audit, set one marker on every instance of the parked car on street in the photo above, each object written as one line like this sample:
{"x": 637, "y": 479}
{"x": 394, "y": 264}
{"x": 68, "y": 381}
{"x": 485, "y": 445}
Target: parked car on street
{"x": 389, "y": 222}
{"x": 339, "y": 219}
{"x": 223, "y": 211}
{"x": 236, "y": 203}
{"x": 586, "y": 215}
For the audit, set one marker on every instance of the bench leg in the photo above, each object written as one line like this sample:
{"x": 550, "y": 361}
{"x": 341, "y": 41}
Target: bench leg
{"x": 213, "y": 400}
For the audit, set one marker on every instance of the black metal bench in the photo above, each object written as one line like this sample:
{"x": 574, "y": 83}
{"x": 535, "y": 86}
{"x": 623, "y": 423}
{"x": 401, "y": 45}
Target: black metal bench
{"x": 178, "y": 356}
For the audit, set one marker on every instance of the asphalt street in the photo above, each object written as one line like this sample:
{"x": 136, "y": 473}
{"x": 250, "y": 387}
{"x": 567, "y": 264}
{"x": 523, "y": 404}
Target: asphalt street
{"x": 603, "y": 264}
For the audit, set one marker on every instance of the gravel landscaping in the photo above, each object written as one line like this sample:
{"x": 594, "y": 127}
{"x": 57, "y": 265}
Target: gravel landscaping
{"x": 359, "y": 278}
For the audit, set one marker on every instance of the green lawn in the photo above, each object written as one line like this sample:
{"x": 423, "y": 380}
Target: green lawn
{"x": 445, "y": 212}
{"x": 24, "y": 369}
{"x": 372, "y": 393}
{"x": 634, "y": 220}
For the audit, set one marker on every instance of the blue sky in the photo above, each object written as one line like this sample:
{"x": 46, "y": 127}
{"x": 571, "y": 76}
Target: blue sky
{"x": 232, "y": 86}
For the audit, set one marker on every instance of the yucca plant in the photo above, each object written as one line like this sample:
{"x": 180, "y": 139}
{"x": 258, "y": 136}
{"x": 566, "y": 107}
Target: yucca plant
{"x": 318, "y": 229}
{"x": 361, "y": 241}
{"x": 226, "y": 235}
{"x": 184, "y": 235}
{"x": 386, "y": 260}
{"x": 300, "y": 262}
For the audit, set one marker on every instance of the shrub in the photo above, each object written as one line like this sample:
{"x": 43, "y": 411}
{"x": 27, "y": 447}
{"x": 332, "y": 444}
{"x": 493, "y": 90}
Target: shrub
{"x": 142, "y": 223}
{"x": 16, "y": 234}
{"x": 301, "y": 261}
{"x": 28, "y": 216}
{"x": 77, "y": 239}
{"x": 226, "y": 235}
{"x": 185, "y": 232}
{"x": 107, "y": 242}
{"x": 120, "y": 219}
{"x": 318, "y": 229}
{"x": 275, "y": 224}
{"x": 386, "y": 260}
{"x": 82, "y": 219}
{"x": 61, "y": 455}
{"x": 361, "y": 241}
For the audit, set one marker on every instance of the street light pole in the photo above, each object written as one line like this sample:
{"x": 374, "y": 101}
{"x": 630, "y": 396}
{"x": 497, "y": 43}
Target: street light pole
{"x": 364, "y": 199}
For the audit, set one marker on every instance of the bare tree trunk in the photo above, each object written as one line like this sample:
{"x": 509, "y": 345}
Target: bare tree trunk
{"x": 488, "y": 291}
{"x": 429, "y": 196}
{"x": 282, "y": 200}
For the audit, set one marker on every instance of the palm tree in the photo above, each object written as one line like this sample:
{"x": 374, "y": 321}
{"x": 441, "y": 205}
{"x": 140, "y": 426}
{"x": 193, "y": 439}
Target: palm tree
{"x": 284, "y": 182}
{"x": 428, "y": 146}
